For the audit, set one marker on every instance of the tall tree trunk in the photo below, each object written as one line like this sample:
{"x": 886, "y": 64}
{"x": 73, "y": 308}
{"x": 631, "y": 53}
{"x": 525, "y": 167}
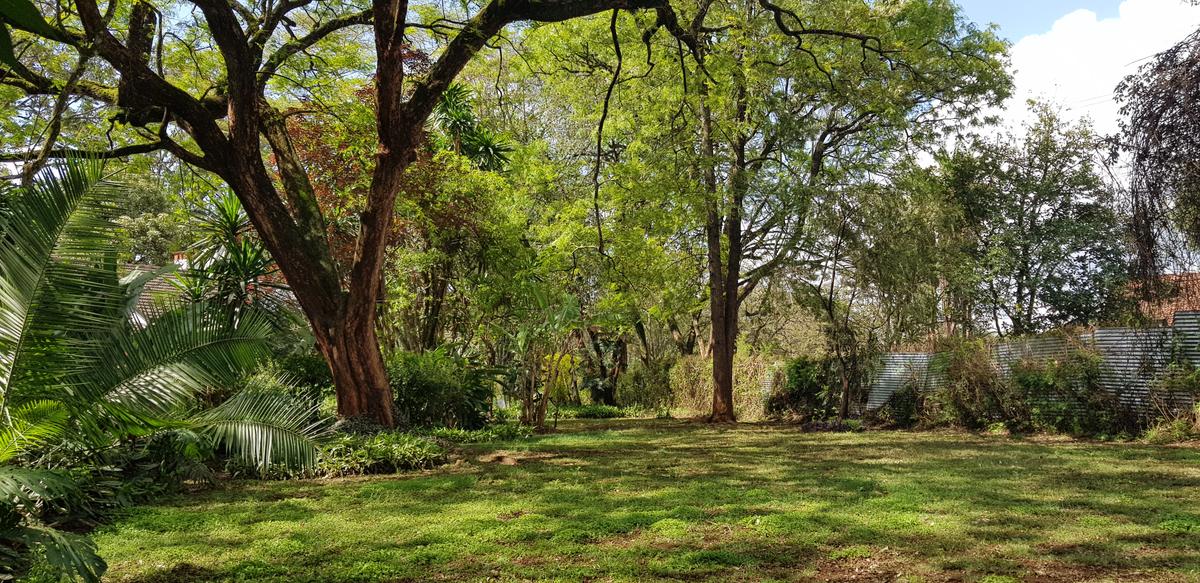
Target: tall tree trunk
{"x": 722, "y": 299}
{"x": 724, "y": 334}
{"x": 434, "y": 302}
{"x": 291, "y": 225}
{"x": 359, "y": 375}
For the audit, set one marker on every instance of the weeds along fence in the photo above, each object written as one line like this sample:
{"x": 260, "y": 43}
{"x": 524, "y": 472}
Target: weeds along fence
{"x": 1133, "y": 363}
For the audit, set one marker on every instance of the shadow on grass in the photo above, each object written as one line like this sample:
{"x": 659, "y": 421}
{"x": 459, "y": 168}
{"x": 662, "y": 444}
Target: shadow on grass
{"x": 670, "y": 499}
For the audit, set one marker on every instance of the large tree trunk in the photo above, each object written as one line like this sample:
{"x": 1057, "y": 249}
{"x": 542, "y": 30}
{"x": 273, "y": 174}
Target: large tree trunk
{"x": 604, "y": 391}
{"x": 722, "y": 298}
{"x": 359, "y": 375}
{"x": 724, "y": 337}
{"x": 291, "y": 225}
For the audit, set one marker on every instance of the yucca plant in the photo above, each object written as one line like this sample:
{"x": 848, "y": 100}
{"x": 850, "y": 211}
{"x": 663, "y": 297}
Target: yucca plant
{"x": 76, "y": 366}
{"x": 230, "y": 266}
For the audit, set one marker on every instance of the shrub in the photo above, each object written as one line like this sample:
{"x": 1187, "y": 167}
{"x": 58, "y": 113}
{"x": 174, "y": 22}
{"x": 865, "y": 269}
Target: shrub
{"x": 692, "y": 388}
{"x": 434, "y": 389}
{"x": 306, "y": 369}
{"x": 1177, "y": 389}
{"x": 831, "y": 426}
{"x": 1066, "y": 396}
{"x": 973, "y": 394}
{"x": 1182, "y": 427}
{"x": 594, "y": 411}
{"x": 381, "y": 453}
{"x": 498, "y": 432}
{"x": 903, "y": 408}
{"x": 807, "y": 390}
{"x": 646, "y": 386}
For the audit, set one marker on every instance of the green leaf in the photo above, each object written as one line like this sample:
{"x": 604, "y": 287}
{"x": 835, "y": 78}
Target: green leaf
{"x": 265, "y": 428}
{"x": 72, "y": 555}
{"x": 24, "y": 15}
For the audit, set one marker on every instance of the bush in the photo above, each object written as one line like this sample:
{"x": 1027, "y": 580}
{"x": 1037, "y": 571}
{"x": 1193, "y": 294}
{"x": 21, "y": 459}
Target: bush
{"x": 692, "y": 387}
{"x": 307, "y": 368}
{"x": 973, "y": 395}
{"x": 381, "y": 453}
{"x": 903, "y": 408}
{"x": 1065, "y": 396}
{"x": 593, "y": 411}
{"x": 1178, "y": 388}
{"x": 1182, "y": 427}
{"x": 434, "y": 389}
{"x": 808, "y": 390}
{"x": 646, "y": 386}
{"x": 498, "y": 432}
{"x": 832, "y": 426}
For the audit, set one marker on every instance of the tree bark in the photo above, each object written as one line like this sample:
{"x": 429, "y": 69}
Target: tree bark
{"x": 722, "y": 300}
{"x": 359, "y": 374}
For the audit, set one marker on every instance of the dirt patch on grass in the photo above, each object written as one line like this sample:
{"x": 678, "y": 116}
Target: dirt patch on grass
{"x": 506, "y": 458}
{"x": 860, "y": 564}
{"x": 1060, "y": 572}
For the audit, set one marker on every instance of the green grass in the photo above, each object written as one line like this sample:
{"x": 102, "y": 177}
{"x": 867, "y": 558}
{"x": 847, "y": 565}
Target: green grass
{"x": 647, "y": 499}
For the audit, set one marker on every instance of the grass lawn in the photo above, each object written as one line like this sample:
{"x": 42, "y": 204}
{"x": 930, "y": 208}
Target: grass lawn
{"x": 647, "y": 499}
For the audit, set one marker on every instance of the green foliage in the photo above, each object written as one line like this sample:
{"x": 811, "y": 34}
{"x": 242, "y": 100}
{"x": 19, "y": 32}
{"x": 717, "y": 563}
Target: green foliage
{"x": 688, "y": 500}
{"x": 381, "y": 453}
{"x": 495, "y": 432}
{"x": 1038, "y": 226}
{"x": 809, "y": 391}
{"x": 691, "y": 386}
{"x": 903, "y": 408}
{"x": 77, "y": 373}
{"x": 435, "y": 389}
{"x": 230, "y": 266}
{"x": 1062, "y": 395}
{"x": 1183, "y": 426}
{"x": 1065, "y": 396}
{"x": 647, "y": 386}
{"x": 973, "y": 395}
{"x": 1180, "y": 379}
{"x": 592, "y": 411}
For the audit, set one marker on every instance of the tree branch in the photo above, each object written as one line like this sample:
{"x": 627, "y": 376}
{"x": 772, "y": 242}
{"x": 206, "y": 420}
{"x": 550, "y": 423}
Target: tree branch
{"x": 314, "y": 36}
{"x": 61, "y": 153}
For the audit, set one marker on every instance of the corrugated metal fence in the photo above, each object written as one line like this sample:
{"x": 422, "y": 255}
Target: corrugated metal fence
{"x": 1133, "y": 360}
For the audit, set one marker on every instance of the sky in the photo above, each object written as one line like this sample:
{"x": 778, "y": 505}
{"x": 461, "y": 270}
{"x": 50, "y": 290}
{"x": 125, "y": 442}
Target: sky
{"x": 1074, "y": 52}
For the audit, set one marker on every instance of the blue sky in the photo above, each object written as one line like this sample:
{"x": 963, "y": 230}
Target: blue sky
{"x": 1073, "y": 53}
{"x": 1018, "y": 18}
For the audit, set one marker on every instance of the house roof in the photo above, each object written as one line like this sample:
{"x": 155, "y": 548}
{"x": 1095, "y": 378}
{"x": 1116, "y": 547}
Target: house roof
{"x": 154, "y": 290}
{"x": 1182, "y": 295}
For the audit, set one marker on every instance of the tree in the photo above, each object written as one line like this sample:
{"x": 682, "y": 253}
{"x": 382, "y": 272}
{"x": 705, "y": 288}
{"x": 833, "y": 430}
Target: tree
{"x": 776, "y": 104}
{"x": 1161, "y": 133}
{"x": 1046, "y": 237}
{"x": 216, "y": 112}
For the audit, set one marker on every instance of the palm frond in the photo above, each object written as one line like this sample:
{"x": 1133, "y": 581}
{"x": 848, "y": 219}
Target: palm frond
{"x": 179, "y": 353}
{"x": 72, "y": 555}
{"x": 29, "y": 425}
{"x": 135, "y": 282}
{"x": 18, "y": 484}
{"x": 265, "y": 428}
{"x": 55, "y": 282}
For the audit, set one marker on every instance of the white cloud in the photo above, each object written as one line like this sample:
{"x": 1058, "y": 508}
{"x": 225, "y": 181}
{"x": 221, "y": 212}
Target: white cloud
{"x": 1081, "y": 59}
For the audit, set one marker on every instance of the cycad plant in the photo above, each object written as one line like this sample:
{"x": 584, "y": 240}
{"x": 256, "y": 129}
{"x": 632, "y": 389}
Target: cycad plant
{"x": 77, "y": 368}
